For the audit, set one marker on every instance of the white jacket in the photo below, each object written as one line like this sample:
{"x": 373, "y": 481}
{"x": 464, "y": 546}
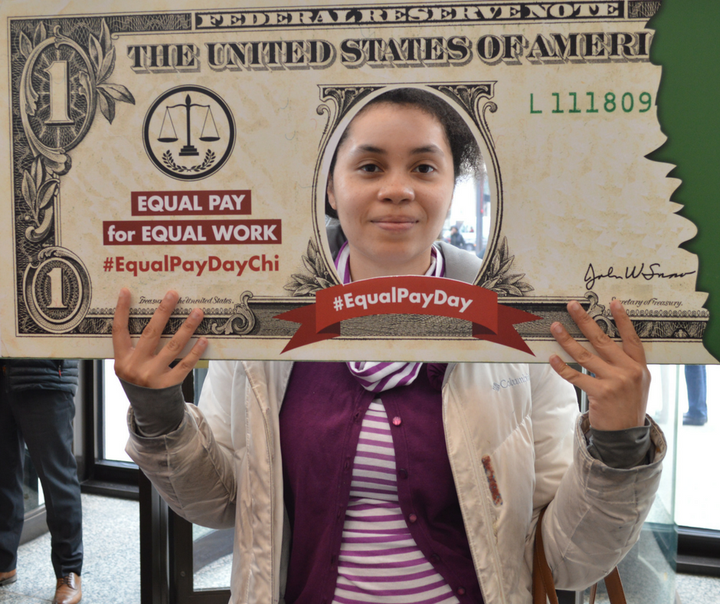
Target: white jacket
{"x": 222, "y": 468}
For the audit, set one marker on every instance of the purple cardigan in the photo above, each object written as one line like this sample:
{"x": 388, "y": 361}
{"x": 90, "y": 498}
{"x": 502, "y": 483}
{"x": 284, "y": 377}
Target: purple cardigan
{"x": 320, "y": 424}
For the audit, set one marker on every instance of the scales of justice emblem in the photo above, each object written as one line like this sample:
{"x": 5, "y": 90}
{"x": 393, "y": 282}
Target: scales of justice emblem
{"x": 180, "y": 120}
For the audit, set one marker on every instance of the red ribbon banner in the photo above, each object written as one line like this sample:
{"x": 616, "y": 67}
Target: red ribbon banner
{"x": 416, "y": 295}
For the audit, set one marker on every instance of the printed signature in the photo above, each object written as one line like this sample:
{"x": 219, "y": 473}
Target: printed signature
{"x": 652, "y": 271}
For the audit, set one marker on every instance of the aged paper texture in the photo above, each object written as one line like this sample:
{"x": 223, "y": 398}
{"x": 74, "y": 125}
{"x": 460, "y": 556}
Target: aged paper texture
{"x": 189, "y": 148}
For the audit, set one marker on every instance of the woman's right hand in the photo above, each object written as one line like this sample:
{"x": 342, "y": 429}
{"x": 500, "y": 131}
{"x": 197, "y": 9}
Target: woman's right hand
{"x": 141, "y": 364}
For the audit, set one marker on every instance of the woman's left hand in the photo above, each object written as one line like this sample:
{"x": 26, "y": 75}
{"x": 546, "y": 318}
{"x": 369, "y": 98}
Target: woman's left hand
{"x": 618, "y": 393}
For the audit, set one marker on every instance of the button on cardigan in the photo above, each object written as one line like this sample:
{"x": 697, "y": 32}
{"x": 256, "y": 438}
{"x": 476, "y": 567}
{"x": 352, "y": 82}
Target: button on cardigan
{"x": 320, "y": 424}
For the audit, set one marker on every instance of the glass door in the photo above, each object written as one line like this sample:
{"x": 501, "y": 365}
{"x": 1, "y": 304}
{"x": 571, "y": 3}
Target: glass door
{"x": 113, "y": 424}
{"x": 648, "y": 572}
{"x": 200, "y": 557}
{"x": 200, "y": 562}
{"x": 697, "y": 497}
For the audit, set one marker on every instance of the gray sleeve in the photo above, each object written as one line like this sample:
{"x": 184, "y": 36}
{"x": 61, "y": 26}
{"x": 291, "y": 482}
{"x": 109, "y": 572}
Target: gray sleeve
{"x": 621, "y": 449}
{"x": 157, "y": 411}
{"x": 598, "y": 511}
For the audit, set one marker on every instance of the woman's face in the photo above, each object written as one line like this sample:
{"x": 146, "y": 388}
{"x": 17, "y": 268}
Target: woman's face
{"x": 392, "y": 187}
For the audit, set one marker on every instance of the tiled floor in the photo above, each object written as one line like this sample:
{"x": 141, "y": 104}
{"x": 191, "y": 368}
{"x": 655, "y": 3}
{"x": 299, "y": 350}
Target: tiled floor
{"x": 687, "y": 491}
{"x": 111, "y": 573}
{"x": 698, "y": 590}
{"x": 111, "y": 568}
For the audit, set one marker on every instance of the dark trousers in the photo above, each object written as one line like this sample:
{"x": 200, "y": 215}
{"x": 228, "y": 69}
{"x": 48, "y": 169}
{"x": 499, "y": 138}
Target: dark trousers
{"x": 695, "y": 377}
{"x": 42, "y": 419}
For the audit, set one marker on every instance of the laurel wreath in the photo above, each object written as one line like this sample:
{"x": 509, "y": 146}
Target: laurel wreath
{"x": 318, "y": 278}
{"x": 169, "y": 161}
{"x": 499, "y": 278}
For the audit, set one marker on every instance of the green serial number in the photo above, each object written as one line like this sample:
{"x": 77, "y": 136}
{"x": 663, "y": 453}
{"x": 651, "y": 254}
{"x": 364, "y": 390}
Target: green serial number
{"x": 609, "y": 103}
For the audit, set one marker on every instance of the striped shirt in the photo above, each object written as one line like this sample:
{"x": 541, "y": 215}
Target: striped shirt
{"x": 379, "y": 559}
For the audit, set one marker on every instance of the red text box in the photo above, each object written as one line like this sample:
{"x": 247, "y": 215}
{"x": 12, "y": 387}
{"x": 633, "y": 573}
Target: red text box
{"x": 192, "y": 232}
{"x": 191, "y": 203}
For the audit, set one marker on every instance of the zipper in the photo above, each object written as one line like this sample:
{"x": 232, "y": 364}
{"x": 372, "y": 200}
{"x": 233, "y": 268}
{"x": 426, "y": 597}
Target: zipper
{"x": 274, "y": 577}
{"x": 268, "y": 452}
{"x": 484, "y": 501}
{"x": 269, "y": 446}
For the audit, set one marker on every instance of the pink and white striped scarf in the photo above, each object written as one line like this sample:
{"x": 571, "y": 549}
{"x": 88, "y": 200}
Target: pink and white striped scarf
{"x": 378, "y": 376}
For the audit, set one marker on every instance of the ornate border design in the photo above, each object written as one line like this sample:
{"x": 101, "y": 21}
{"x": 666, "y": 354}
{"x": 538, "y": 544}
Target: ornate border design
{"x": 39, "y": 164}
{"x": 55, "y": 300}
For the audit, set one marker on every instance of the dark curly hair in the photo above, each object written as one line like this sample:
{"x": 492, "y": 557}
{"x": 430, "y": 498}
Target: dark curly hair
{"x": 467, "y": 159}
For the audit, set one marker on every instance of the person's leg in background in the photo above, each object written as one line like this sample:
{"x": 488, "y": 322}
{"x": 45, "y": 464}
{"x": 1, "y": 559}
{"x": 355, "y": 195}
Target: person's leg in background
{"x": 696, "y": 380}
{"x": 12, "y": 506}
{"x": 46, "y": 421}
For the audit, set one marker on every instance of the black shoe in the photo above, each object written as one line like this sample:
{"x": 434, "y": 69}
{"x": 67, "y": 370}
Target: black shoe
{"x": 694, "y": 420}
{"x": 8, "y": 577}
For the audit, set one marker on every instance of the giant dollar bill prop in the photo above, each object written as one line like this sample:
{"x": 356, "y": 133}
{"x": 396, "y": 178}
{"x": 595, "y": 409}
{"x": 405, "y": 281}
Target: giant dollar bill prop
{"x": 189, "y": 149}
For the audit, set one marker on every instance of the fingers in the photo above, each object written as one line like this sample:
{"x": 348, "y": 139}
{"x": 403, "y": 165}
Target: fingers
{"x": 174, "y": 347}
{"x": 177, "y": 374}
{"x": 177, "y": 343}
{"x": 566, "y": 372}
{"x": 578, "y": 352}
{"x": 605, "y": 347}
{"x": 141, "y": 365}
{"x": 617, "y": 393}
{"x": 632, "y": 345}
{"x": 599, "y": 340}
{"x": 120, "y": 333}
{"x": 150, "y": 338}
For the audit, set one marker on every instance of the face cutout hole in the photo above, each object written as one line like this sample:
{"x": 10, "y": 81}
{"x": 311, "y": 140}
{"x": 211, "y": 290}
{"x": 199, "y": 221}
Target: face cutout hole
{"x": 470, "y": 223}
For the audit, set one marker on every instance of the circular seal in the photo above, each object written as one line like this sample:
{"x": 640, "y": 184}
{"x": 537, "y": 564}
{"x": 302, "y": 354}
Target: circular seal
{"x": 57, "y": 290}
{"x": 189, "y": 132}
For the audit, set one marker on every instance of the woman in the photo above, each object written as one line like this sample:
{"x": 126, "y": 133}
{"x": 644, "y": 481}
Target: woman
{"x": 404, "y": 482}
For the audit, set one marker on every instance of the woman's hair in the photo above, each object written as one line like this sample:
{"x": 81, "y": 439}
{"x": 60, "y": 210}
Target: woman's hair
{"x": 467, "y": 159}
